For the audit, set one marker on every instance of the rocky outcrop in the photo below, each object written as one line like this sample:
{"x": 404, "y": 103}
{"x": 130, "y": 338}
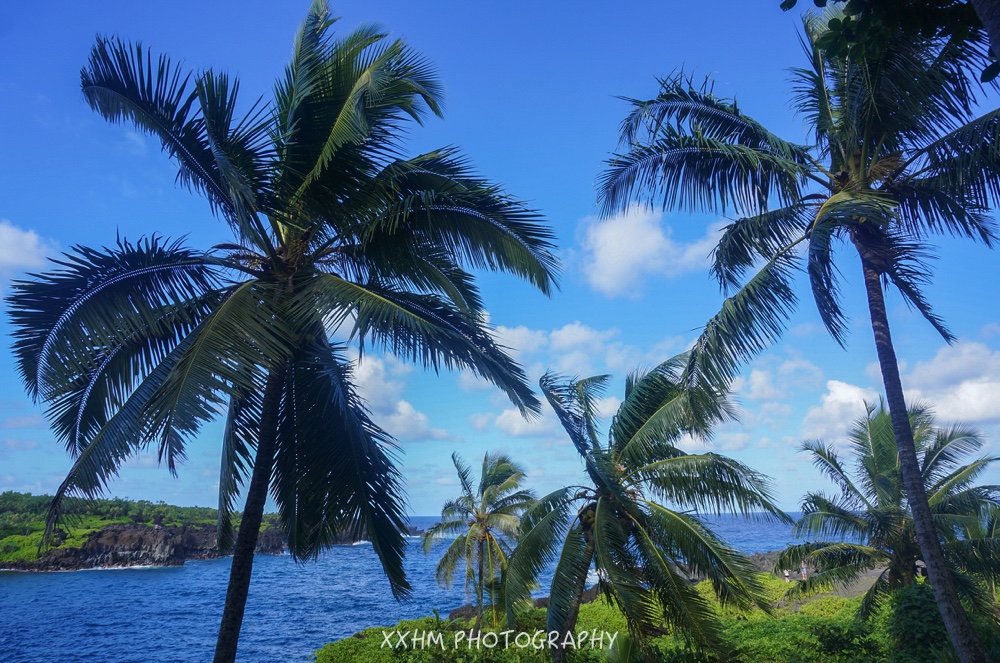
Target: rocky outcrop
{"x": 122, "y": 545}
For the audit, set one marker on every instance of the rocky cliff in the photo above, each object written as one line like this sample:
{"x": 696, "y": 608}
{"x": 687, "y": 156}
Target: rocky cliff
{"x": 142, "y": 545}
{"x": 122, "y": 545}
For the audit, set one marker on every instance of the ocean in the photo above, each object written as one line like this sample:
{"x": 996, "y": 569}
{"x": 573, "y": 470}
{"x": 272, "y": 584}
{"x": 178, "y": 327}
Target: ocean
{"x": 146, "y": 615}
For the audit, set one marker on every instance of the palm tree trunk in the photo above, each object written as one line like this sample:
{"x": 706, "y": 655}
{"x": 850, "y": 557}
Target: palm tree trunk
{"x": 963, "y": 637}
{"x": 253, "y": 512}
{"x": 559, "y": 653}
{"x": 479, "y": 591}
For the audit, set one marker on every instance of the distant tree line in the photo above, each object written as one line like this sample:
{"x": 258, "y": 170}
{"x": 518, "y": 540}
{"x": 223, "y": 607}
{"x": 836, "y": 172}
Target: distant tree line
{"x": 20, "y": 511}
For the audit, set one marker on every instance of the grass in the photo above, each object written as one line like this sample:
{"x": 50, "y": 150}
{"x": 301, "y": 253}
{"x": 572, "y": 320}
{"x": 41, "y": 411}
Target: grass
{"x": 820, "y": 630}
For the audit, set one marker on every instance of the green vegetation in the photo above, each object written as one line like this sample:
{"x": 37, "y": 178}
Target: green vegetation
{"x": 619, "y": 524}
{"x": 871, "y": 512}
{"x": 484, "y": 522}
{"x": 821, "y": 630}
{"x": 22, "y": 521}
{"x": 334, "y": 229}
{"x": 899, "y": 156}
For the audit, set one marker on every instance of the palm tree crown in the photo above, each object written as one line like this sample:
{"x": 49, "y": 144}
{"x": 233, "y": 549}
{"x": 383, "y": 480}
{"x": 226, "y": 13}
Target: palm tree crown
{"x": 898, "y": 156}
{"x": 484, "y": 521}
{"x": 138, "y": 345}
{"x": 869, "y": 524}
{"x": 618, "y": 524}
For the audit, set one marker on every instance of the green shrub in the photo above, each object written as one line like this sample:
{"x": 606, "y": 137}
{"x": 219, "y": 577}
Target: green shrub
{"x": 915, "y": 627}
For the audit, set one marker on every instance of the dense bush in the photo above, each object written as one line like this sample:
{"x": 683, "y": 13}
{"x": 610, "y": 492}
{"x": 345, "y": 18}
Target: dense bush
{"x": 822, "y": 630}
{"x": 369, "y": 645}
{"x": 915, "y": 627}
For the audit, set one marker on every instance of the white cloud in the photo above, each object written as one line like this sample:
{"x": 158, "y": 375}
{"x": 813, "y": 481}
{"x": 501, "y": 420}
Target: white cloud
{"x": 623, "y": 250}
{"x": 23, "y": 421}
{"x": 759, "y": 386}
{"x": 469, "y": 381}
{"x": 578, "y": 336}
{"x": 17, "y": 444}
{"x": 520, "y": 340}
{"x": 481, "y": 420}
{"x": 961, "y": 383}
{"x": 770, "y": 379}
{"x": 22, "y": 249}
{"x": 512, "y": 423}
{"x": 576, "y": 347}
{"x": 408, "y": 423}
{"x": 990, "y": 330}
{"x": 840, "y": 406}
{"x": 607, "y": 406}
{"x": 733, "y": 441}
{"x": 379, "y": 381}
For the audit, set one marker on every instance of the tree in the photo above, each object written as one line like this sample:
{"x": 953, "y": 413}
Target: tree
{"x": 869, "y": 525}
{"x": 899, "y": 156}
{"x": 866, "y": 25}
{"x": 136, "y": 346}
{"x": 485, "y": 522}
{"x": 618, "y": 524}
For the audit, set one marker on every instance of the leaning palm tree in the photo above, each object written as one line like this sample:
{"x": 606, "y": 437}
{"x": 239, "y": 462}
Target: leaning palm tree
{"x": 899, "y": 156}
{"x": 484, "y": 521}
{"x": 869, "y": 524}
{"x": 136, "y": 346}
{"x": 619, "y": 523}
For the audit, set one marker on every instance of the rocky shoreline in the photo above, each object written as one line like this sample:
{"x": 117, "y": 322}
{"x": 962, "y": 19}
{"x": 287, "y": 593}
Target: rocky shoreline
{"x": 124, "y": 545}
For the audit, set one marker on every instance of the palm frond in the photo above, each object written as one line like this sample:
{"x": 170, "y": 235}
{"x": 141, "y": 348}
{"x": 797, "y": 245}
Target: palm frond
{"x": 574, "y": 401}
{"x": 239, "y": 442}
{"x": 711, "y": 482}
{"x": 748, "y": 322}
{"x": 437, "y": 198}
{"x": 751, "y": 239}
{"x": 121, "y": 83}
{"x": 695, "y": 171}
{"x": 421, "y": 328}
{"x": 681, "y": 100}
{"x": 568, "y": 578}
{"x": 334, "y": 472}
{"x": 542, "y": 527}
{"x": 659, "y": 407}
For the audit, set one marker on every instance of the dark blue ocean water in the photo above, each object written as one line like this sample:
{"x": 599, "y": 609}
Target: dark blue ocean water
{"x": 171, "y": 614}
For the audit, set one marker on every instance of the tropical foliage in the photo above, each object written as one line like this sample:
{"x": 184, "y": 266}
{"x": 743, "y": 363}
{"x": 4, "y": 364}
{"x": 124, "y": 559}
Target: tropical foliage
{"x": 484, "y": 521}
{"x": 869, "y": 526}
{"x": 899, "y": 156}
{"x": 618, "y": 523}
{"x": 136, "y": 346}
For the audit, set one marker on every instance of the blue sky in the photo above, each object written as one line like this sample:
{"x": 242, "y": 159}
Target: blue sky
{"x": 532, "y": 100}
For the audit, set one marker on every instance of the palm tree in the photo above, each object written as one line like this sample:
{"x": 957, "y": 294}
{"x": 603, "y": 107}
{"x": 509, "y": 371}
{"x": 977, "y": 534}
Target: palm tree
{"x": 136, "y": 346}
{"x": 485, "y": 522}
{"x": 618, "y": 524}
{"x": 898, "y": 156}
{"x": 869, "y": 525}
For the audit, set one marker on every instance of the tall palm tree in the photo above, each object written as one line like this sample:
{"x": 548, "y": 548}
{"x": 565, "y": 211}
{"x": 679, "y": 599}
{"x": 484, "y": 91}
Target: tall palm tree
{"x": 869, "y": 525}
{"x": 484, "y": 521}
{"x": 899, "y": 156}
{"x": 139, "y": 344}
{"x": 618, "y": 523}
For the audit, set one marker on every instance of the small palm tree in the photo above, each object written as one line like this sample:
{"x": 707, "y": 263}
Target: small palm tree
{"x": 870, "y": 526}
{"x": 899, "y": 156}
{"x": 484, "y": 522}
{"x": 618, "y": 524}
{"x": 334, "y": 228}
